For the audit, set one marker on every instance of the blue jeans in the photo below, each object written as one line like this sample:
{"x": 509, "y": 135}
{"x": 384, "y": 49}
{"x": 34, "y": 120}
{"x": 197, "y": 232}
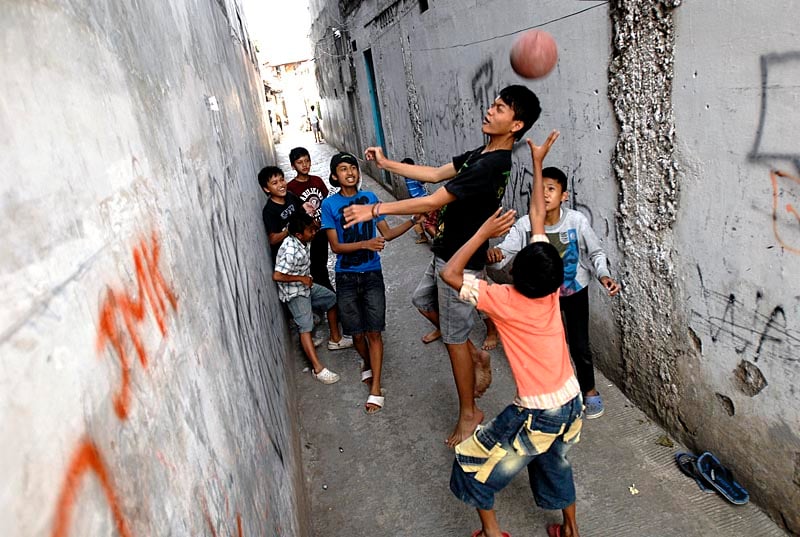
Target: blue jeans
{"x": 539, "y": 439}
{"x": 362, "y": 301}
{"x": 301, "y": 307}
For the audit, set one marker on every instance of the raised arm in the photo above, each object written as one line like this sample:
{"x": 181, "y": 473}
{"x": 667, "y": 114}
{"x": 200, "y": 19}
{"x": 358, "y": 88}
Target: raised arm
{"x": 426, "y": 174}
{"x": 537, "y": 210}
{"x": 496, "y": 225}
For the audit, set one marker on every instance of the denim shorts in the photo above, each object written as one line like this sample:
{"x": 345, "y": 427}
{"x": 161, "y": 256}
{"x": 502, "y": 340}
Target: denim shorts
{"x": 432, "y": 294}
{"x": 300, "y": 307}
{"x": 539, "y": 439}
{"x": 362, "y": 301}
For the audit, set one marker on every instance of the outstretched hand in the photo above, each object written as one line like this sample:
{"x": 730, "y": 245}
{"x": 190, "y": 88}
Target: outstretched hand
{"x": 498, "y": 224}
{"x": 538, "y": 152}
{"x": 376, "y": 154}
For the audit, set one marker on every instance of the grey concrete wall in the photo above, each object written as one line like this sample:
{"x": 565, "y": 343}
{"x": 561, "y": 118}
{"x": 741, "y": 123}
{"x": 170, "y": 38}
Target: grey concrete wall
{"x": 141, "y": 341}
{"x": 672, "y": 117}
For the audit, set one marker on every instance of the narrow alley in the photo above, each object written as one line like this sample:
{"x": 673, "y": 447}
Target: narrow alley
{"x": 387, "y": 474}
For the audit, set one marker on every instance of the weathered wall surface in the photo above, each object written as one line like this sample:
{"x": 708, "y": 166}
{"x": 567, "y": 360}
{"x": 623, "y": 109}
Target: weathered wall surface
{"x": 671, "y": 118}
{"x": 141, "y": 344}
{"x": 737, "y": 236}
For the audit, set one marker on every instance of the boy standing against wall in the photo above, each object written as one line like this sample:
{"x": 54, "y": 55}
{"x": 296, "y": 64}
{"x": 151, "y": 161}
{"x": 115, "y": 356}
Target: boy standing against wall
{"x": 280, "y": 207}
{"x": 477, "y": 182}
{"x": 311, "y": 189}
{"x": 569, "y": 231}
{"x": 301, "y": 295}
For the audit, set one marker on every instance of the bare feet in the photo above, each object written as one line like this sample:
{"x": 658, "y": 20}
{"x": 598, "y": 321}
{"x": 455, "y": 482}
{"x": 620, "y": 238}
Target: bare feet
{"x": 431, "y": 336}
{"x": 490, "y": 342}
{"x": 483, "y": 372}
{"x": 464, "y": 428}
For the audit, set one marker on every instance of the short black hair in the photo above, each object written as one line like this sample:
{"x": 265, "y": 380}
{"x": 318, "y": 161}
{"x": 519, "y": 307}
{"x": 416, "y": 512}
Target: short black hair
{"x": 268, "y": 173}
{"x": 551, "y": 172}
{"x": 407, "y": 160}
{"x": 525, "y": 105}
{"x": 299, "y": 222}
{"x": 538, "y": 270}
{"x": 298, "y": 152}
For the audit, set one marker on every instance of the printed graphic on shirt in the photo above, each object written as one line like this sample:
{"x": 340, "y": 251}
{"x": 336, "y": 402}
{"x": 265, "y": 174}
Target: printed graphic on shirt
{"x": 314, "y": 196}
{"x": 363, "y": 231}
{"x": 566, "y": 242}
{"x": 287, "y": 212}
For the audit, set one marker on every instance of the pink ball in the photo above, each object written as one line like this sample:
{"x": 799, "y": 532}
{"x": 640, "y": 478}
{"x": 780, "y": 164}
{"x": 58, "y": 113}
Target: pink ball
{"x": 534, "y": 54}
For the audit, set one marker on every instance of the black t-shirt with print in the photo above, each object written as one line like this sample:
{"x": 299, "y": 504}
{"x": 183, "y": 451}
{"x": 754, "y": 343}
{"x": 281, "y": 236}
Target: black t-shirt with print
{"x": 478, "y": 186}
{"x": 276, "y": 216}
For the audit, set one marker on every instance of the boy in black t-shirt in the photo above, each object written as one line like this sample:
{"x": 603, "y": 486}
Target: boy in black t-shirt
{"x": 477, "y": 182}
{"x": 280, "y": 206}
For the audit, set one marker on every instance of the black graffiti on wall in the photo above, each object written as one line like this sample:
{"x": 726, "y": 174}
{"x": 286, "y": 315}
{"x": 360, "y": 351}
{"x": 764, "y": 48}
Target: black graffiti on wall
{"x": 759, "y": 332}
{"x": 482, "y": 84}
{"x": 776, "y": 140}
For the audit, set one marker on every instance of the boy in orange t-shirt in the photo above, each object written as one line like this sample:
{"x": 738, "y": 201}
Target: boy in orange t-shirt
{"x": 545, "y": 418}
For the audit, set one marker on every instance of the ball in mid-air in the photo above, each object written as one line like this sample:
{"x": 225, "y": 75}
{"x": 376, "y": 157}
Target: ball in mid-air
{"x": 534, "y": 54}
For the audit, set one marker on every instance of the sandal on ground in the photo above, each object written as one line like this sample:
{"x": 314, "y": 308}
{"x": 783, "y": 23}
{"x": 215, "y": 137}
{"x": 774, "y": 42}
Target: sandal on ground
{"x": 479, "y": 533}
{"x": 687, "y": 462}
{"x": 554, "y": 530}
{"x": 721, "y": 479}
{"x": 375, "y": 401}
{"x": 366, "y": 374}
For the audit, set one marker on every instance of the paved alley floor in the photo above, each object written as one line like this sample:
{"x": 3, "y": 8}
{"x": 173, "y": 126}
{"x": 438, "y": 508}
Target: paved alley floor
{"x": 387, "y": 475}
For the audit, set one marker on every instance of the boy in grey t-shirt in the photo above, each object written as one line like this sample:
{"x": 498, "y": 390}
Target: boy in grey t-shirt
{"x": 569, "y": 231}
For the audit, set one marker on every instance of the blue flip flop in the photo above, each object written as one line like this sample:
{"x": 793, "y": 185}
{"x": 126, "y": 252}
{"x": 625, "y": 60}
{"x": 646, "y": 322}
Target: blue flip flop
{"x": 687, "y": 462}
{"x": 721, "y": 479}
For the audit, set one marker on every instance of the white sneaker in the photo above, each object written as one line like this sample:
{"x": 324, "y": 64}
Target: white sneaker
{"x": 326, "y": 376}
{"x": 345, "y": 343}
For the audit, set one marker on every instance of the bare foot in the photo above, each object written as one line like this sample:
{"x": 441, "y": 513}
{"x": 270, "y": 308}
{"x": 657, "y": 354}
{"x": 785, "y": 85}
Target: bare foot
{"x": 490, "y": 342}
{"x": 464, "y": 428}
{"x": 483, "y": 372}
{"x": 431, "y": 336}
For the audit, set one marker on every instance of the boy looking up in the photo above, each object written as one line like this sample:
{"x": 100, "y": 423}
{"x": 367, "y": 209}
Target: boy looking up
{"x": 279, "y": 208}
{"x": 569, "y": 231}
{"x": 477, "y": 182}
{"x": 544, "y": 421}
{"x": 359, "y": 279}
{"x": 301, "y": 295}
{"x": 311, "y": 189}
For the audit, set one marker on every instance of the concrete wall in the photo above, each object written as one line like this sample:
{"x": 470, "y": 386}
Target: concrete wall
{"x": 141, "y": 342}
{"x": 669, "y": 128}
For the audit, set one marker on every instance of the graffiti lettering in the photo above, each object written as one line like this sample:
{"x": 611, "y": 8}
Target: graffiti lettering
{"x": 152, "y": 290}
{"x": 86, "y": 459}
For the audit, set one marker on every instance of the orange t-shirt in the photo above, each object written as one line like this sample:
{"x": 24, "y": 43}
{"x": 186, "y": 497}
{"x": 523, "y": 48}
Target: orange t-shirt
{"x": 533, "y": 337}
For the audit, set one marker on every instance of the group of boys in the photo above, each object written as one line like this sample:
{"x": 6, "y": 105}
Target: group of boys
{"x": 293, "y": 216}
{"x": 549, "y": 272}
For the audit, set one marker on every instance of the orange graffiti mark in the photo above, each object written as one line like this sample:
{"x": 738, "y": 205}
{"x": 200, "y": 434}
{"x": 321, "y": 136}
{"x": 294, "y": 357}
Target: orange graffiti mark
{"x": 86, "y": 459}
{"x": 774, "y": 174}
{"x": 151, "y": 289}
{"x": 239, "y": 524}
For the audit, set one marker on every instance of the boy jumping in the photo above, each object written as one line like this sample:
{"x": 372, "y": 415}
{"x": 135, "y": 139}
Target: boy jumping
{"x": 544, "y": 420}
{"x": 477, "y": 182}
